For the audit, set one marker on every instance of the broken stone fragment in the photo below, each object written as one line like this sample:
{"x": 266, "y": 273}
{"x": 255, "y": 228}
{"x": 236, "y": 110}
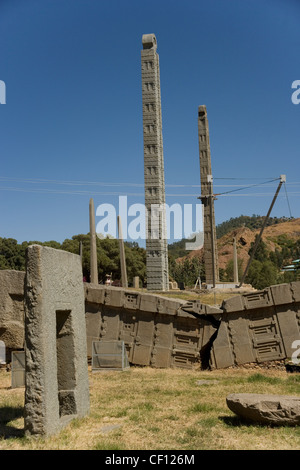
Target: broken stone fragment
{"x": 266, "y": 409}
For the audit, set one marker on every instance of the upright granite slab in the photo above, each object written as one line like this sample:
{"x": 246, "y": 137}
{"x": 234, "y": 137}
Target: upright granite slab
{"x": 57, "y": 387}
{"x": 12, "y": 310}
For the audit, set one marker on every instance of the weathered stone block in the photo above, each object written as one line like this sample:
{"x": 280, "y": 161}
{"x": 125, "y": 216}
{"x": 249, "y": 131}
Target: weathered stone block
{"x": 234, "y": 304}
{"x": 282, "y": 294}
{"x": 266, "y": 409}
{"x": 258, "y": 299}
{"x": 295, "y": 287}
{"x": 289, "y": 327}
{"x": 172, "y": 307}
{"x": 196, "y": 307}
{"x": 114, "y": 296}
{"x": 222, "y": 353}
{"x": 94, "y": 294}
{"x": 148, "y": 303}
{"x": 136, "y": 282}
{"x": 132, "y": 300}
{"x": 57, "y": 388}
{"x": 12, "y": 309}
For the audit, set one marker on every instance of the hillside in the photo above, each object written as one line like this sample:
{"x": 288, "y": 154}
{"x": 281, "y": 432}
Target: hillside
{"x": 253, "y": 222}
{"x": 275, "y": 237}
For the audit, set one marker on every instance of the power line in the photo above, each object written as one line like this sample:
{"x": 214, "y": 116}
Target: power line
{"x": 251, "y": 186}
{"x": 138, "y": 185}
{"x": 56, "y": 191}
{"x": 69, "y": 183}
{"x": 118, "y": 193}
{"x": 243, "y": 178}
{"x": 127, "y": 184}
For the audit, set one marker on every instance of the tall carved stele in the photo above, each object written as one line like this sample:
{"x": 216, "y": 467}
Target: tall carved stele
{"x": 156, "y": 242}
{"x": 210, "y": 239}
{"x": 93, "y": 245}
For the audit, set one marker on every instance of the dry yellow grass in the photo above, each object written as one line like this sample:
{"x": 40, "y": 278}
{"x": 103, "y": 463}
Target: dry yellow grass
{"x": 147, "y": 409}
{"x": 194, "y": 294}
{"x": 209, "y": 298}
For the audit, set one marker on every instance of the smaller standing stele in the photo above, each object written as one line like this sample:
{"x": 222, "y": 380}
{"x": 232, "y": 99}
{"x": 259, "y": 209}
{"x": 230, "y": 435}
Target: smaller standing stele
{"x": 56, "y": 370}
{"x": 122, "y": 255}
{"x": 207, "y": 198}
{"x": 93, "y": 245}
{"x": 2, "y": 353}
{"x": 235, "y": 264}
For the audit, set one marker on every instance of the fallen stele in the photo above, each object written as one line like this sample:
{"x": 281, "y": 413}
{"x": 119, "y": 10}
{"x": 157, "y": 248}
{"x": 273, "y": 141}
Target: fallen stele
{"x": 279, "y": 410}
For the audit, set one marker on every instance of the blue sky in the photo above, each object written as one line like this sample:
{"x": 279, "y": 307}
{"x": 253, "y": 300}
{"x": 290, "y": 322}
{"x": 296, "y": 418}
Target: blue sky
{"x": 71, "y": 127}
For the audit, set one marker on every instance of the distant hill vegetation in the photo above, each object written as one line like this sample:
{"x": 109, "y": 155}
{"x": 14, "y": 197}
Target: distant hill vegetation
{"x": 177, "y": 249}
{"x": 253, "y": 222}
{"x": 280, "y": 245}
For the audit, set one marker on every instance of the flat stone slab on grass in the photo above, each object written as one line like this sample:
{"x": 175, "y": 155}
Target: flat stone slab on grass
{"x": 266, "y": 409}
{"x": 109, "y": 428}
{"x": 207, "y": 382}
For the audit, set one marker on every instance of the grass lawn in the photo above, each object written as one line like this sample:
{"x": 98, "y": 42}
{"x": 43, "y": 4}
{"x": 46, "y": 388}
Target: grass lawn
{"x": 158, "y": 409}
{"x": 215, "y": 297}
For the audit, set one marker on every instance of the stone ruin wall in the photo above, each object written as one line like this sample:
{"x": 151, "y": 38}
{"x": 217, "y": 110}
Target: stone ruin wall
{"x": 161, "y": 332}
{"x": 258, "y": 327}
{"x": 155, "y": 329}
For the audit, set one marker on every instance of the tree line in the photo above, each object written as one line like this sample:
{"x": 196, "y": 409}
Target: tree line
{"x": 12, "y": 255}
{"x": 265, "y": 270}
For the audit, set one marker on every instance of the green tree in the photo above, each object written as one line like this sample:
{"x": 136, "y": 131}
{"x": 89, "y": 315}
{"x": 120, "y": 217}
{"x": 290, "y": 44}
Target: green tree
{"x": 276, "y": 257}
{"x": 262, "y": 274}
{"x": 261, "y": 252}
{"x": 135, "y": 262}
{"x": 187, "y": 271}
{"x": 12, "y": 255}
{"x": 108, "y": 257}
